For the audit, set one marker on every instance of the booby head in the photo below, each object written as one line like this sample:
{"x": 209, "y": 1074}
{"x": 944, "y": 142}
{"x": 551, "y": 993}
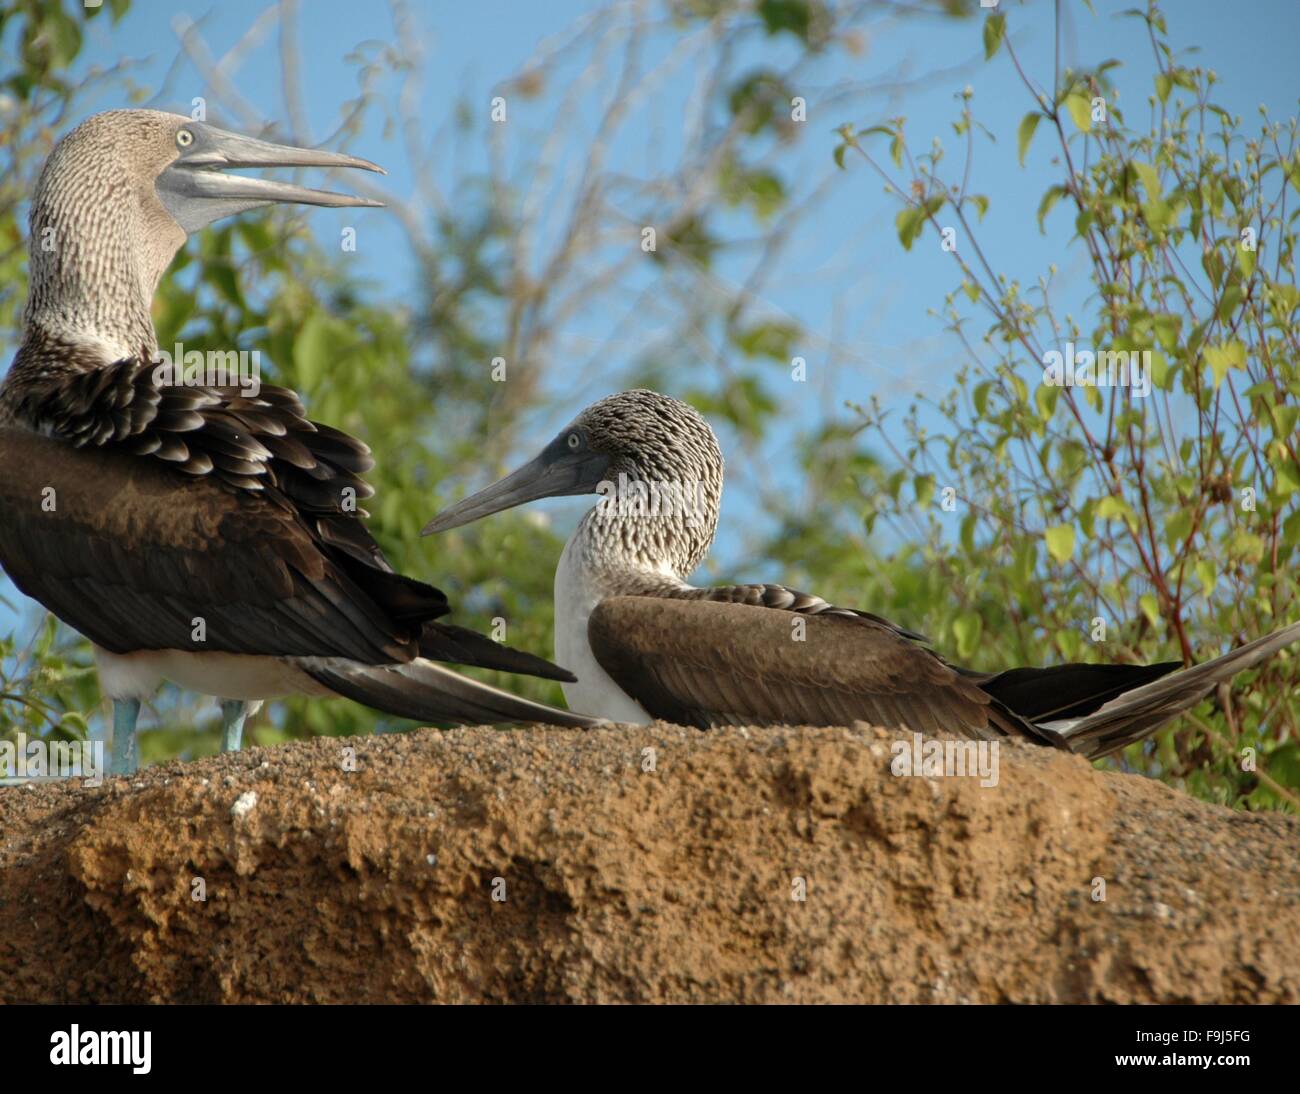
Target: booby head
{"x": 654, "y": 461}
{"x": 116, "y": 200}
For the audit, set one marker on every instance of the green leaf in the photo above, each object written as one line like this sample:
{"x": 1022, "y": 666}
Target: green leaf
{"x": 1160, "y": 376}
{"x": 257, "y": 236}
{"x": 1150, "y": 180}
{"x": 968, "y": 523}
{"x": 223, "y": 277}
{"x": 760, "y": 101}
{"x": 1228, "y": 302}
{"x": 762, "y": 190}
{"x": 1224, "y": 356}
{"x": 1026, "y": 133}
{"x": 794, "y": 16}
{"x": 1053, "y": 195}
{"x": 311, "y": 351}
{"x": 75, "y": 724}
{"x": 995, "y": 27}
{"x": 924, "y": 487}
{"x": 1292, "y": 169}
{"x": 1167, "y": 326}
{"x": 1285, "y": 419}
{"x": 1080, "y": 109}
{"x": 1112, "y": 507}
{"x": 772, "y": 340}
{"x": 896, "y": 149}
{"x": 1286, "y": 483}
{"x": 1060, "y": 542}
{"x": 1246, "y": 260}
{"x": 1150, "y": 608}
{"x": 1213, "y": 265}
{"x": 1208, "y": 576}
{"x": 910, "y": 221}
{"x": 1045, "y": 398}
{"x": 1088, "y": 518}
{"x": 1070, "y": 643}
{"x": 895, "y": 483}
{"x": 966, "y": 628}
{"x": 1177, "y": 526}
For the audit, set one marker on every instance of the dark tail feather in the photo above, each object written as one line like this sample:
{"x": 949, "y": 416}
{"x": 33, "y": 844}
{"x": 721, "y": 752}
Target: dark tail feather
{"x": 1069, "y": 691}
{"x": 426, "y": 692}
{"x": 462, "y": 646}
{"x": 1138, "y": 713}
{"x": 409, "y": 602}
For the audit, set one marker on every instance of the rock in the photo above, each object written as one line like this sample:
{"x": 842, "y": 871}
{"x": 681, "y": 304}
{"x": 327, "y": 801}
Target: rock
{"x": 748, "y": 865}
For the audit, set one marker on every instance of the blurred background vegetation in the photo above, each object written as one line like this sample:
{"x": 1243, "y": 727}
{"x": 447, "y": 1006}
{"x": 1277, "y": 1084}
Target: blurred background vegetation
{"x": 1001, "y": 517}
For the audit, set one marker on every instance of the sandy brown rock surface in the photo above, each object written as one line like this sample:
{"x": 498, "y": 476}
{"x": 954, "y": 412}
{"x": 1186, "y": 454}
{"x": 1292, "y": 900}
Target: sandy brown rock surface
{"x": 622, "y": 884}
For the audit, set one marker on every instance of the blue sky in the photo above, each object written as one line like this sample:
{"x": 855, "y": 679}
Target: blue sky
{"x": 844, "y": 276}
{"x": 849, "y": 245}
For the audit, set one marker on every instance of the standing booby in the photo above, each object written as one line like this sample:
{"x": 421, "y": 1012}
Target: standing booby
{"x": 206, "y": 535}
{"x": 646, "y": 644}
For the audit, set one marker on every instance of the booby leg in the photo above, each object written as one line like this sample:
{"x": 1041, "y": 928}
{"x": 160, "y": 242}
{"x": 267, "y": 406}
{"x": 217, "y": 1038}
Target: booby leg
{"x": 233, "y": 713}
{"x": 125, "y": 757}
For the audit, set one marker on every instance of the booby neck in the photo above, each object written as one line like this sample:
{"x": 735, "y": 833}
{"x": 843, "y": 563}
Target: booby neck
{"x": 621, "y": 549}
{"x": 628, "y": 552}
{"x": 588, "y": 572}
{"x": 95, "y": 265}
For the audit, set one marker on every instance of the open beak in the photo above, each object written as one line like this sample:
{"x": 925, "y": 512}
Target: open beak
{"x": 555, "y": 473}
{"x": 196, "y": 193}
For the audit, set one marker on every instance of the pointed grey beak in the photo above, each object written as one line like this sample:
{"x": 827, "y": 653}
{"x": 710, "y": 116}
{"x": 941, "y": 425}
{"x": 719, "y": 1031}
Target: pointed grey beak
{"x": 196, "y": 193}
{"x": 555, "y": 473}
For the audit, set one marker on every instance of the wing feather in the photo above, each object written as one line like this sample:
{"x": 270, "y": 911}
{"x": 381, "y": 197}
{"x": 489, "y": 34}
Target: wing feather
{"x": 134, "y": 555}
{"x": 178, "y": 504}
{"x": 716, "y": 660}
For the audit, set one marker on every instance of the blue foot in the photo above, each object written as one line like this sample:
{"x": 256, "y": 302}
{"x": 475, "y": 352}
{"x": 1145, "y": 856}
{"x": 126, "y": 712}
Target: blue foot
{"x": 125, "y": 758}
{"x": 233, "y": 713}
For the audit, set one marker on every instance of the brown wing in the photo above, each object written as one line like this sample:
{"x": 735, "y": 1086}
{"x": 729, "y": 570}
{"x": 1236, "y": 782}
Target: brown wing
{"x": 707, "y": 663}
{"x": 178, "y": 503}
{"x": 258, "y": 443}
{"x": 791, "y": 600}
{"x": 132, "y": 554}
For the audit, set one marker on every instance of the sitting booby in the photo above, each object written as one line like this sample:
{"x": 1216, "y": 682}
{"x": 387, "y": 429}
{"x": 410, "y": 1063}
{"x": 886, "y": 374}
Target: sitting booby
{"x": 205, "y": 535}
{"x": 645, "y": 644}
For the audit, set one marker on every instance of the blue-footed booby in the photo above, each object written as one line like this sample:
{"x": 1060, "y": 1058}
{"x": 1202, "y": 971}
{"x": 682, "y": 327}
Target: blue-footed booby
{"x": 206, "y": 535}
{"x": 645, "y": 644}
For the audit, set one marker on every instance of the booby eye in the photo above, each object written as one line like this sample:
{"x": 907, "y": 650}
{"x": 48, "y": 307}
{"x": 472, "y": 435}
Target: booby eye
{"x": 184, "y": 138}
{"x": 574, "y": 442}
